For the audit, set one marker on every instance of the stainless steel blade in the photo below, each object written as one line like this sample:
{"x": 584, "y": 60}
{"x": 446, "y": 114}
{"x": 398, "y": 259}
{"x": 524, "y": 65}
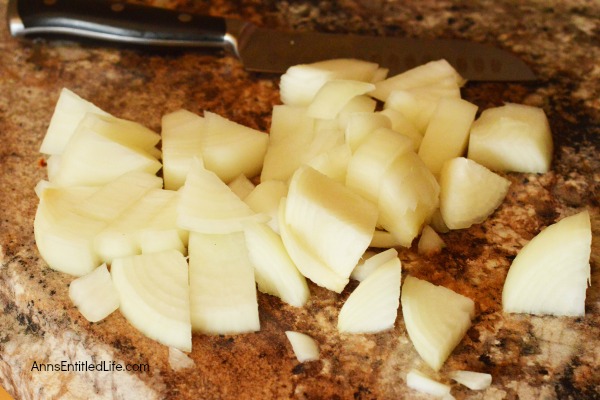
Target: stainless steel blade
{"x": 269, "y": 51}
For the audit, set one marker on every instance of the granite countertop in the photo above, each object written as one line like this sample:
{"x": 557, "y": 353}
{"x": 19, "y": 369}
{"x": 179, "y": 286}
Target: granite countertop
{"x": 528, "y": 357}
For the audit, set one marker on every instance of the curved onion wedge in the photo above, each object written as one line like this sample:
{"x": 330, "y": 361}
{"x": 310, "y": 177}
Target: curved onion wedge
{"x": 112, "y": 199}
{"x": 227, "y": 148}
{"x": 373, "y": 305}
{"x": 300, "y": 83}
{"x": 514, "y": 137}
{"x": 335, "y": 223}
{"x": 307, "y": 263}
{"x": 68, "y": 112}
{"x": 447, "y": 134}
{"x": 469, "y": 192}
{"x": 428, "y": 74}
{"x": 65, "y": 238}
{"x": 424, "y": 384}
{"x": 230, "y": 149}
{"x": 550, "y": 274}
{"x": 135, "y": 230}
{"x": 161, "y": 231}
{"x": 371, "y": 160}
{"x": 436, "y": 319}
{"x": 290, "y": 137}
{"x": 371, "y": 261}
{"x": 274, "y": 271}
{"x": 94, "y": 294}
{"x": 222, "y": 288}
{"x": 128, "y": 133}
{"x": 334, "y": 95}
{"x": 408, "y": 197}
{"x": 92, "y": 158}
{"x": 181, "y": 142}
{"x": 472, "y": 380}
{"x": 305, "y": 348}
{"x": 154, "y": 295}
{"x": 208, "y": 205}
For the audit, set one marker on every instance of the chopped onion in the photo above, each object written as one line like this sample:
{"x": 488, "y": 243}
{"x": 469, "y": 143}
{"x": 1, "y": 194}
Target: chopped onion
{"x": 305, "y": 347}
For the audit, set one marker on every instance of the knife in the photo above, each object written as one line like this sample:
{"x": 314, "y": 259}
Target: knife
{"x": 259, "y": 49}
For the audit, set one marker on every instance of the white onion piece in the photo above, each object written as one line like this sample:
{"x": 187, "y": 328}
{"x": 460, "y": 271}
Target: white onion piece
{"x": 154, "y": 296}
{"x": 423, "y": 75}
{"x": 471, "y": 379}
{"x": 265, "y": 199}
{"x": 447, "y": 134}
{"x": 65, "y": 238}
{"x": 360, "y": 125}
{"x": 181, "y": 142}
{"x": 335, "y": 223}
{"x": 307, "y": 262}
{"x": 70, "y": 109}
{"x": 436, "y": 319}
{"x": 274, "y": 270}
{"x": 430, "y": 242}
{"x": 179, "y": 361}
{"x": 230, "y": 149}
{"x": 334, "y": 95}
{"x": 161, "y": 231}
{"x": 300, "y": 83}
{"x": 371, "y": 261}
{"x": 422, "y": 383}
{"x": 550, "y": 274}
{"x": 290, "y": 138}
{"x": 125, "y": 132}
{"x": 110, "y": 201}
{"x": 372, "y": 159}
{"x": 305, "y": 347}
{"x": 513, "y": 137}
{"x": 359, "y": 104}
{"x": 373, "y": 306}
{"x": 208, "y": 205}
{"x": 94, "y": 294}
{"x": 222, "y": 288}
{"x": 333, "y": 163}
{"x": 403, "y": 126}
{"x": 469, "y": 192}
{"x": 384, "y": 240}
{"x": 93, "y": 158}
{"x": 41, "y": 186}
{"x": 408, "y": 197}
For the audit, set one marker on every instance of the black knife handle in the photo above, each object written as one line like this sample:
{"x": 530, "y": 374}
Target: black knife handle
{"x": 117, "y": 22}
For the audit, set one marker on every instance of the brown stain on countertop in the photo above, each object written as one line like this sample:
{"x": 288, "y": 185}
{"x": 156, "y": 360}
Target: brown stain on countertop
{"x": 529, "y": 357}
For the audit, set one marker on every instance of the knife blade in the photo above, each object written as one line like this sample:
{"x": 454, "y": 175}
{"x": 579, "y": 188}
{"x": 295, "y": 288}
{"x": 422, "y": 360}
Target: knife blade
{"x": 259, "y": 49}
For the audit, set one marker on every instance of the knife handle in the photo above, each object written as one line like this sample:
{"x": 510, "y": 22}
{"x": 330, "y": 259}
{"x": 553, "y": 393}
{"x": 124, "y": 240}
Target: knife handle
{"x": 119, "y": 22}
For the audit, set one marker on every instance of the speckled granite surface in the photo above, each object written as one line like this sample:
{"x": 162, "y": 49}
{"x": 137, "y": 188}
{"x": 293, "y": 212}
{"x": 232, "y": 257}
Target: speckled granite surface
{"x": 529, "y": 357}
